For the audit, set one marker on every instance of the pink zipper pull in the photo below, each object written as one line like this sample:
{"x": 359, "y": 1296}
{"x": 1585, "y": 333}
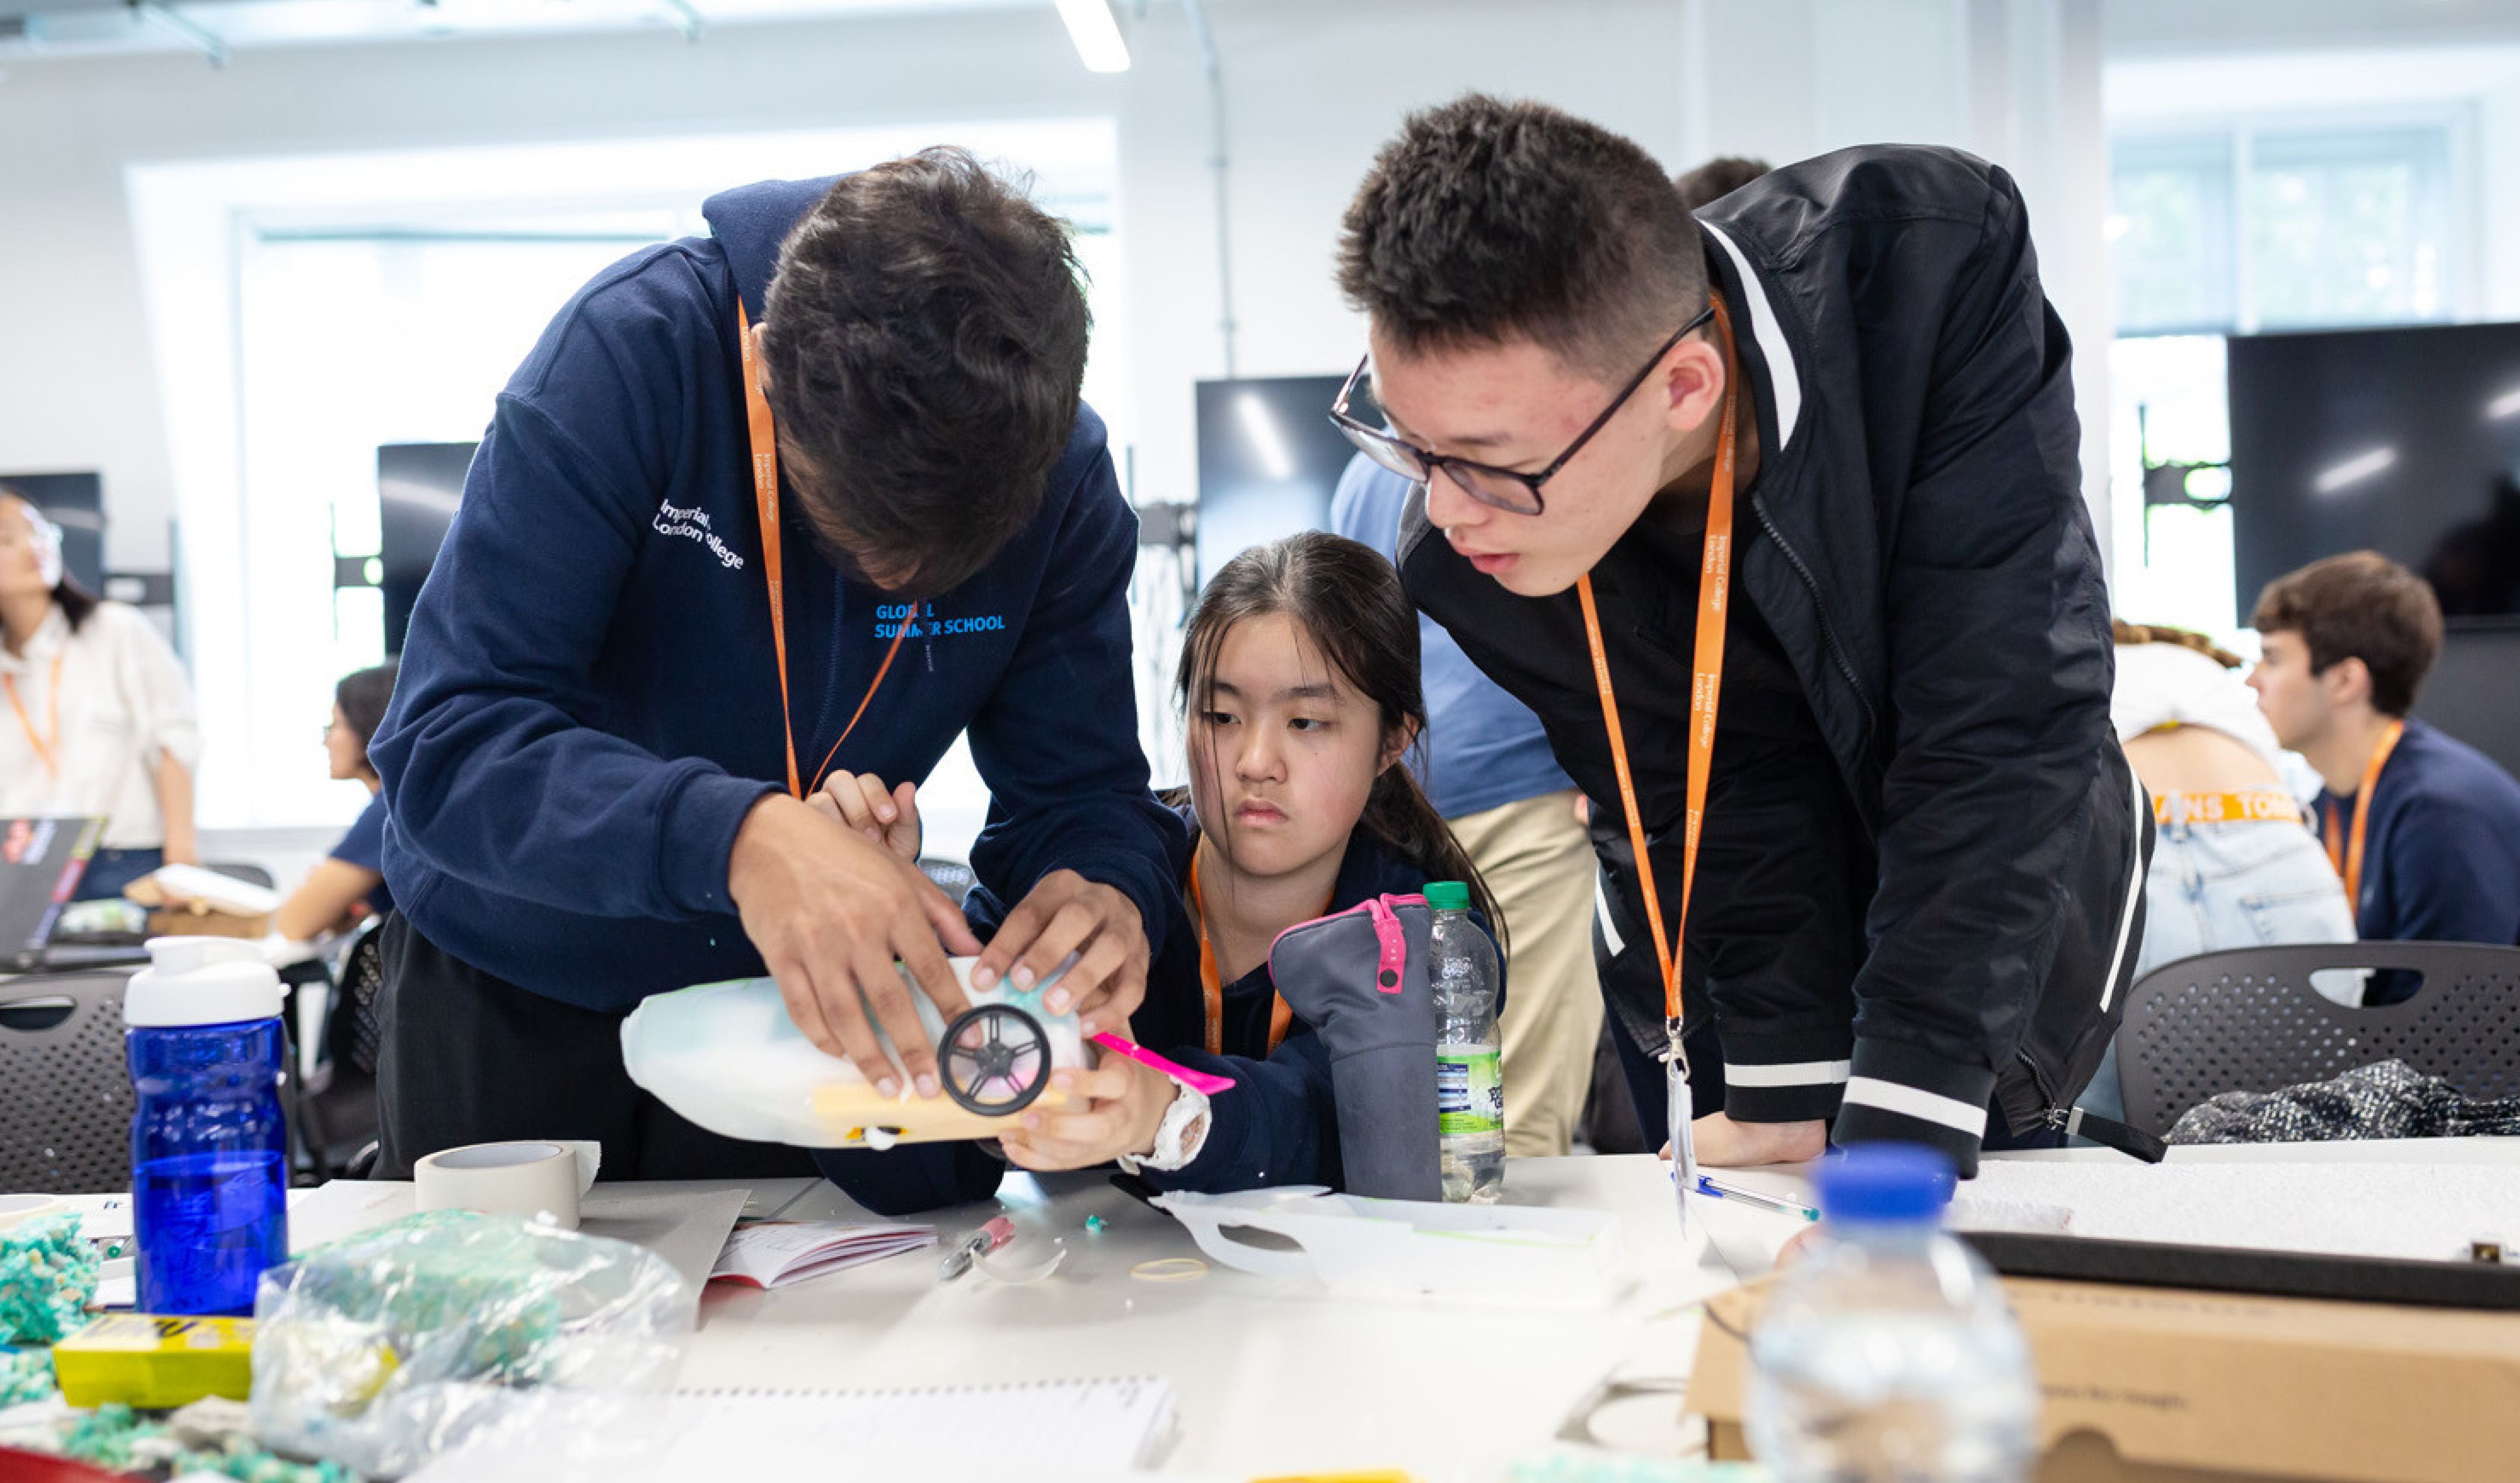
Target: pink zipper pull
{"x": 1395, "y": 945}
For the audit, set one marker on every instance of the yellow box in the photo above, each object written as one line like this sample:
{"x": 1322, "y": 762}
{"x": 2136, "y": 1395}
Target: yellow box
{"x": 143, "y": 1360}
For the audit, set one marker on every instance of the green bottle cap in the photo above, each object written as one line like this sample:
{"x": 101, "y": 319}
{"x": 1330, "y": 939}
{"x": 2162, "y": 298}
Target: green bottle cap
{"x": 1448, "y": 895}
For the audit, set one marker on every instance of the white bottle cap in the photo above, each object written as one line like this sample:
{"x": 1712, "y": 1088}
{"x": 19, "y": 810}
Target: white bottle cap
{"x": 202, "y": 981}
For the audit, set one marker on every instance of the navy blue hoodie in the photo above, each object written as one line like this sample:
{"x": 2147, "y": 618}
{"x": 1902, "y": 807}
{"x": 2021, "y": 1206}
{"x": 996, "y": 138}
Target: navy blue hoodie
{"x": 589, "y": 697}
{"x": 2443, "y": 846}
{"x": 1277, "y": 1126}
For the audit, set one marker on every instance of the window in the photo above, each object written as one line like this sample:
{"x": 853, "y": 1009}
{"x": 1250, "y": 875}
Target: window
{"x": 2233, "y": 230}
{"x": 309, "y": 308}
{"x": 2254, "y": 228}
{"x": 2173, "y": 244}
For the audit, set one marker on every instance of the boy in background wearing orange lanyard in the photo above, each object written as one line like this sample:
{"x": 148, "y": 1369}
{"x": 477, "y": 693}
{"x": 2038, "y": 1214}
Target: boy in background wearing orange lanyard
{"x": 2424, "y": 828}
{"x": 811, "y": 495}
{"x": 1773, "y": 517}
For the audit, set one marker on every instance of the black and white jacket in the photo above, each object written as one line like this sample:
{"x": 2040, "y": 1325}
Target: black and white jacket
{"x": 1950, "y": 887}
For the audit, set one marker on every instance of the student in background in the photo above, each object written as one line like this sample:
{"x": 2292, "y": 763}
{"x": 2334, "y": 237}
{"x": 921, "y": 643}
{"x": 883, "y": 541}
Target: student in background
{"x": 2424, "y": 828}
{"x": 2231, "y": 867}
{"x": 1487, "y": 768}
{"x": 101, "y": 717}
{"x": 1301, "y": 678}
{"x": 350, "y": 881}
{"x": 1716, "y": 178}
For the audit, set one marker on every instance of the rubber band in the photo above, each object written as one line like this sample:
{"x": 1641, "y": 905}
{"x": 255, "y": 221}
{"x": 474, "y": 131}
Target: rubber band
{"x": 1170, "y": 1269}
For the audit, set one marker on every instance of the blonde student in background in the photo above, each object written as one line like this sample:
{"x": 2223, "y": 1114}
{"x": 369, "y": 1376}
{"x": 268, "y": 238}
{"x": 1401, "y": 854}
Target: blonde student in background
{"x": 2231, "y": 867}
{"x": 101, "y": 719}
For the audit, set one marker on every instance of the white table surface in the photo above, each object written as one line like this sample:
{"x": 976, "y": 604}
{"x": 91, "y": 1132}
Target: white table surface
{"x": 1275, "y": 1376}
{"x": 1272, "y": 1374}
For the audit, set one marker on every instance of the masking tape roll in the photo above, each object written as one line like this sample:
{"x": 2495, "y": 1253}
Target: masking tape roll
{"x": 17, "y": 1209}
{"x": 527, "y": 1180}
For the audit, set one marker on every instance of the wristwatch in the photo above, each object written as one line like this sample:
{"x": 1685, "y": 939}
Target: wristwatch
{"x": 1178, "y": 1138}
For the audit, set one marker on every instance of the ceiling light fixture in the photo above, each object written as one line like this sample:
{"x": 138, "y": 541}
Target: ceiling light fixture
{"x": 2354, "y": 470}
{"x": 1096, "y": 34}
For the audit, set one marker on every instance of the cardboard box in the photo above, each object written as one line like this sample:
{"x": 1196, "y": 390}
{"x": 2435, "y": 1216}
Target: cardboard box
{"x": 2154, "y": 1385}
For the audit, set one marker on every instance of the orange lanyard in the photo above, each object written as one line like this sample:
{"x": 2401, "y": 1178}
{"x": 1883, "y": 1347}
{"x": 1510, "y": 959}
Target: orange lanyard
{"x": 1211, "y": 986}
{"x": 2348, "y": 857}
{"x": 1714, "y": 583}
{"x": 765, "y": 498}
{"x": 48, "y": 746}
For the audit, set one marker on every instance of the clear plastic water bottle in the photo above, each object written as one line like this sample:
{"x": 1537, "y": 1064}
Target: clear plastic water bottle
{"x": 210, "y": 1167}
{"x": 1469, "y": 1080}
{"x": 1887, "y": 1353}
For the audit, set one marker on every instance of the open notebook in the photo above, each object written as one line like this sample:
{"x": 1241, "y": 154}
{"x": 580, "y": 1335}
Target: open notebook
{"x": 1050, "y": 1429}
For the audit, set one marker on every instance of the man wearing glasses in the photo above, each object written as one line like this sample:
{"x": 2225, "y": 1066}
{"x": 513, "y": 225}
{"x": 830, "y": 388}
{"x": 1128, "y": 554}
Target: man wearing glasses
{"x": 1910, "y": 906}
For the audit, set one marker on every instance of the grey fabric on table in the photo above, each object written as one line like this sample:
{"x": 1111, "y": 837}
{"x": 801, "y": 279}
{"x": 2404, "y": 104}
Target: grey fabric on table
{"x": 2385, "y": 1100}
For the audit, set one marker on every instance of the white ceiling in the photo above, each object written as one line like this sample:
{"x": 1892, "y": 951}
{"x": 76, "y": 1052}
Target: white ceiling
{"x": 33, "y": 28}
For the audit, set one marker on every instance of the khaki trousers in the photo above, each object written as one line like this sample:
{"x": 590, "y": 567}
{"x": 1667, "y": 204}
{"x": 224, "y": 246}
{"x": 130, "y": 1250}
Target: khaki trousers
{"x": 1538, "y": 861}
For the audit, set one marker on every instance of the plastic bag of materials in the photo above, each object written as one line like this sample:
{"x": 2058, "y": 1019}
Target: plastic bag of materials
{"x": 380, "y": 1350}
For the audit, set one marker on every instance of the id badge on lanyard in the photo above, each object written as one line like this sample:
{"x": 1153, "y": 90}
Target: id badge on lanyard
{"x": 1714, "y": 589}
{"x": 1683, "y": 1136}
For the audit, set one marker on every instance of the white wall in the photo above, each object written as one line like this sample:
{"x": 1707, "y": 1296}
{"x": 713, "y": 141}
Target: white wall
{"x": 1313, "y": 87}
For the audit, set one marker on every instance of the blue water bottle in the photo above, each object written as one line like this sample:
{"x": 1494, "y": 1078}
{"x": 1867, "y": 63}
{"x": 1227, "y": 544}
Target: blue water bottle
{"x": 209, "y": 1165}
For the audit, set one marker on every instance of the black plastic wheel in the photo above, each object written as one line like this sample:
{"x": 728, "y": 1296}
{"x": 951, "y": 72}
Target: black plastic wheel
{"x": 995, "y": 1059}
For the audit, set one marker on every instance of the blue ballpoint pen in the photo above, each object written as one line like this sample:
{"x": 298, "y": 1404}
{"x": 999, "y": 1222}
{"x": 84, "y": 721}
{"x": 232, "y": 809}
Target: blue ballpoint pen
{"x": 1775, "y": 1203}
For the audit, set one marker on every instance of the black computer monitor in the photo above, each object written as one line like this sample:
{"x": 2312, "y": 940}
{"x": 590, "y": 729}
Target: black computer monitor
{"x": 419, "y": 486}
{"x": 2404, "y": 441}
{"x": 1267, "y": 462}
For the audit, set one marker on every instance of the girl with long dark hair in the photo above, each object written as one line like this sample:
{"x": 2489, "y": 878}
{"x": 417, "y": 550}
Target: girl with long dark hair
{"x": 350, "y": 883}
{"x": 1299, "y": 678}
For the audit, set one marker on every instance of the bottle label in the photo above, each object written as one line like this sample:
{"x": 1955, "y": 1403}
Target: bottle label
{"x": 1470, "y": 1090}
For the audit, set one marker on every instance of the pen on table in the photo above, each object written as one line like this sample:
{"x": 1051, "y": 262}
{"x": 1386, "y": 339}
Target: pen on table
{"x": 989, "y": 1238}
{"x": 1775, "y": 1203}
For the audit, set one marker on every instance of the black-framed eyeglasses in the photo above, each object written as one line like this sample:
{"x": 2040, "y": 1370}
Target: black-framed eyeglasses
{"x": 1508, "y": 489}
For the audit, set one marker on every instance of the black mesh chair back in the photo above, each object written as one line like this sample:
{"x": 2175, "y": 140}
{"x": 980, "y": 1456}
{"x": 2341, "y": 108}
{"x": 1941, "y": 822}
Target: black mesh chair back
{"x": 66, "y": 1114}
{"x": 2248, "y": 1021}
{"x": 338, "y": 1115}
{"x": 352, "y": 1031}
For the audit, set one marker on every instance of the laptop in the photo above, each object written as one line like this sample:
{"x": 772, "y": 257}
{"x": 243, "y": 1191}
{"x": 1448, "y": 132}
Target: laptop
{"x": 41, "y": 862}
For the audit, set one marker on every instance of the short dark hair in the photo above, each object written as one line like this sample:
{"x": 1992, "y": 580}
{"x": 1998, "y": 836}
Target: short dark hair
{"x": 363, "y": 695}
{"x": 925, "y": 335}
{"x": 1486, "y": 221}
{"x": 1716, "y": 178}
{"x": 2359, "y": 606}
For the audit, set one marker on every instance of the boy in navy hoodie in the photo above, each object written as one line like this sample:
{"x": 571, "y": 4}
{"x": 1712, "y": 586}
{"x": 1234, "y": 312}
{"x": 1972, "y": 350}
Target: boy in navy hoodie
{"x": 2423, "y": 828}
{"x": 618, "y": 697}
